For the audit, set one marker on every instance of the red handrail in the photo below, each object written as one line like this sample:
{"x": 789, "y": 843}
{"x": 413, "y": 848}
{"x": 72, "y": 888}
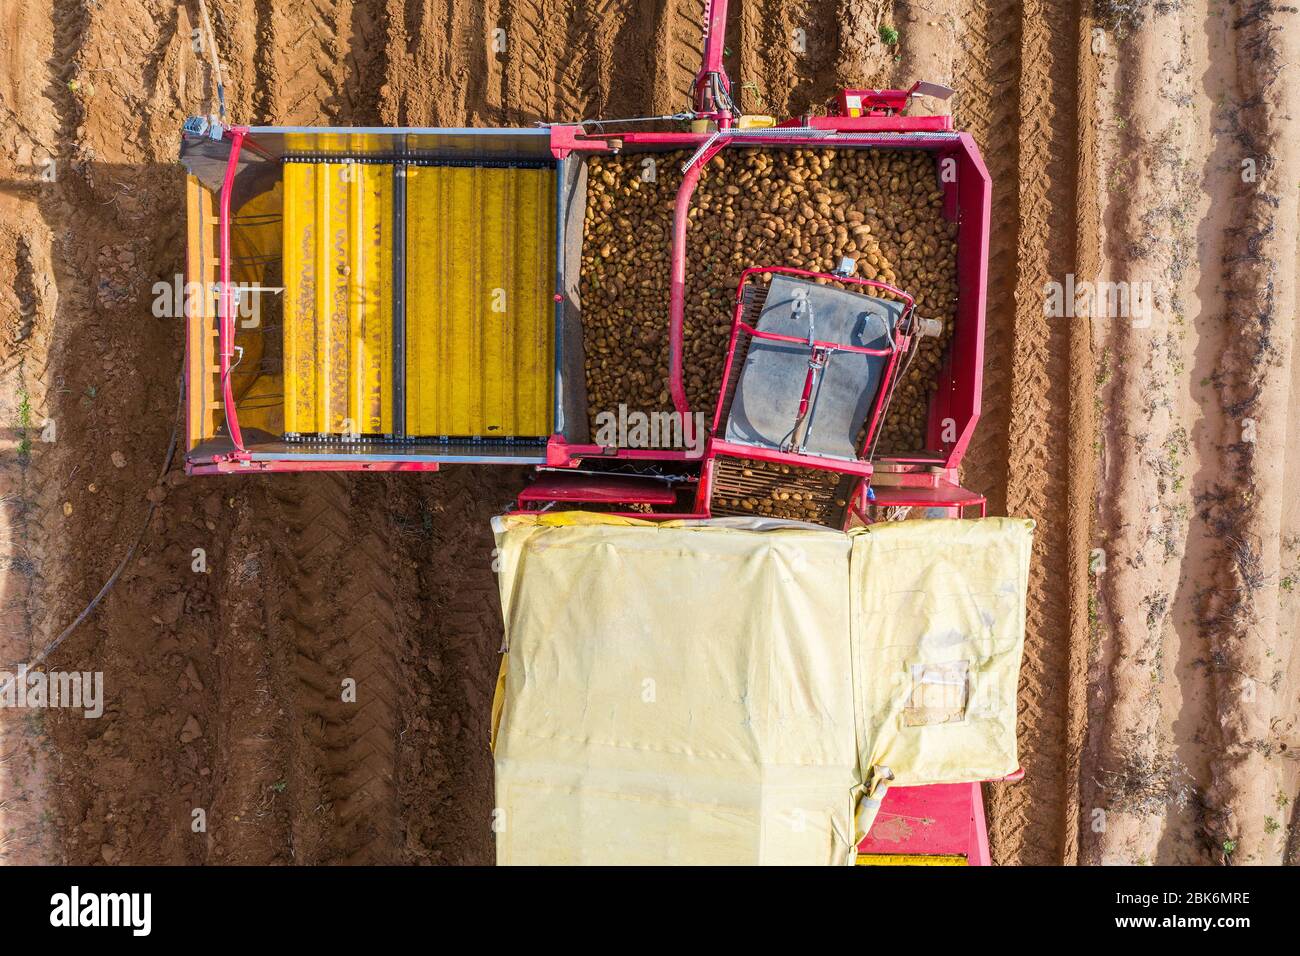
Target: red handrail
{"x": 677, "y": 291}
{"x": 225, "y": 310}
{"x": 848, "y": 280}
{"x": 738, "y": 324}
{"x": 817, "y": 343}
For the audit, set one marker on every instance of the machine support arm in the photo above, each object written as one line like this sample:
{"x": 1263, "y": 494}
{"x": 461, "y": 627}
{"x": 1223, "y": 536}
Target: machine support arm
{"x": 712, "y": 90}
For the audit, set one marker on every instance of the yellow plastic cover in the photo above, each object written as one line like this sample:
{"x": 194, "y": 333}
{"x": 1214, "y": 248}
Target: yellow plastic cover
{"x": 717, "y": 692}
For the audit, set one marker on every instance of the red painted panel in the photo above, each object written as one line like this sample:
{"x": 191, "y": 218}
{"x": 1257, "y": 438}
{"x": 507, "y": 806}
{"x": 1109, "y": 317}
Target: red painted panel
{"x": 941, "y": 819}
{"x": 591, "y": 488}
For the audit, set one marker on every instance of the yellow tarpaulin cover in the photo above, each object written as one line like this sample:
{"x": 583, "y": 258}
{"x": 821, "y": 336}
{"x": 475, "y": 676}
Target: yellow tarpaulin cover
{"x": 706, "y": 692}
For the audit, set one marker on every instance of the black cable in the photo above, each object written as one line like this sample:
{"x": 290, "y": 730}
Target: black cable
{"x": 40, "y": 658}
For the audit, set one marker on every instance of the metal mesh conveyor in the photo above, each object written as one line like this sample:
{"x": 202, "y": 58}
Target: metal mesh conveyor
{"x": 338, "y": 315}
{"x": 480, "y": 277}
{"x": 743, "y": 486}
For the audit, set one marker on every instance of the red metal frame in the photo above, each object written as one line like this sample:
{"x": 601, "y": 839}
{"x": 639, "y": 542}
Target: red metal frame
{"x": 858, "y": 509}
{"x": 897, "y": 344}
{"x": 721, "y": 448}
{"x": 595, "y": 489}
{"x": 225, "y": 308}
{"x": 958, "y": 395}
{"x": 881, "y": 120}
{"x": 711, "y": 69}
{"x": 677, "y": 287}
{"x": 873, "y": 102}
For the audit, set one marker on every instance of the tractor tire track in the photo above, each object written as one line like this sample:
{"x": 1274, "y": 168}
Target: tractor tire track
{"x": 340, "y": 620}
{"x": 1081, "y": 516}
{"x": 985, "y": 105}
{"x": 1016, "y": 97}
{"x": 1040, "y": 430}
{"x": 424, "y": 85}
{"x": 304, "y": 73}
{"x": 592, "y": 59}
{"x": 533, "y": 50}
{"x": 578, "y": 78}
{"x": 319, "y": 62}
{"x": 747, "y": 25}
{"x": 447, "y": 779}
{"x": 683, "y": 27}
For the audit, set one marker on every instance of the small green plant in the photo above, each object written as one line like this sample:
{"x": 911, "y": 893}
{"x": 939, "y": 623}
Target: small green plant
{"x": 888, "y": 35}
{"x": 1229, "y": 847}
{"x": 1287, "y": 583}
{"x": 1103, "y": 367}
{"x": 1271, "y": 825}
{"x": 24, "y": 425}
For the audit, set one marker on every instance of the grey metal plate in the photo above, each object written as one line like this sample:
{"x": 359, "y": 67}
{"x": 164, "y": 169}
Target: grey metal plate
{"x": 463, "y": 143}
{"x": 206, "y": 158}
{"x": 766, "y": 405}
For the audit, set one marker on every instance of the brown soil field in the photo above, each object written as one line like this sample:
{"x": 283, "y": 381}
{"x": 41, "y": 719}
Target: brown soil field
{"x": 1146, "y": 143}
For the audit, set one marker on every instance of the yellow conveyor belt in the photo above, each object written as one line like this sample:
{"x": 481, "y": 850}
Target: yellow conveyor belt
{"x": 338, "y": 305}
{"x": 479, "y": 323}
{"x": 480, "y": 317}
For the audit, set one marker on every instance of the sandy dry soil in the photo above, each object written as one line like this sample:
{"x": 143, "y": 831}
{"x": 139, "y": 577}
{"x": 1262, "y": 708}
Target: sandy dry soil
{"x": 1159, "y": 694}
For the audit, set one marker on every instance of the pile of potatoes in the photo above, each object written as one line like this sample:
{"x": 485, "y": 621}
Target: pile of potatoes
{"x": 627, "y": 239}
{"x": 804, "y": 208}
